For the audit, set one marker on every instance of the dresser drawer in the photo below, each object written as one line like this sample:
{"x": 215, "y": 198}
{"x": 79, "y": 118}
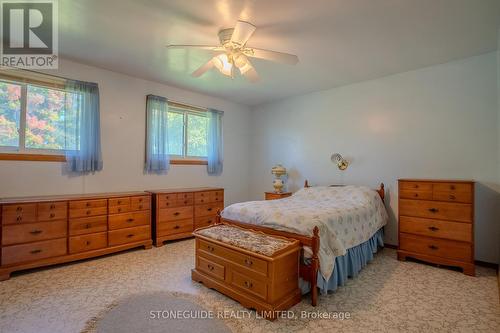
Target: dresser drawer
{"x": 118, "y": 209}
{"x": 167, "y": 228}
{"x": 415, "y": 186}
{"x": 50, "y": 211}
{"x": 167, "y": 200}
{"x": 18, "y": 213}
{"x": 207, "y": 209}
{"x": 33, "y": 251}
{"x": 249, "y": 285}
{"x": 217, "y": 196}
{"x": 204, "y": 221}
{"x": 436, "y": 210}
{"x": 185, "y": 201}
{"x": 119, "y": 221}
{"x": 436, "y": 228}
{"x": 436, "y": 247}
{"x": 202, "y": 197}
{"x": 248, "y": 262}
{"x": 32, "y": 232}
{"x": 88, "y": 242}
{"x": 125, "y": 201}
{"x": 129, "y": 235}
{"x": 85, "y": 212}
{"x": 415, "y": 194}
{"x": 88, "y": 225}
{"x": 84, "y": 204}
{"x": 140, "y": 203}
{"x": 178, "y": 213}
{"x": 211, "y": 268}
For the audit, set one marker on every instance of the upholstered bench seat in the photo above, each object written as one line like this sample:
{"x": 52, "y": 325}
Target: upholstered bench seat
{"x": 249, "y": 240}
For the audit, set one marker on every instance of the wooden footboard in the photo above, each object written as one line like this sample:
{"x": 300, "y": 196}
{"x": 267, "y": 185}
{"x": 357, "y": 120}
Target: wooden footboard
{"x": 308, "y": 272}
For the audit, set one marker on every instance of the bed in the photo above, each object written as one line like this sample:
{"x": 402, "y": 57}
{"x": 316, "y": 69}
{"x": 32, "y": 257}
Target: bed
{"x": 329, "y": 221}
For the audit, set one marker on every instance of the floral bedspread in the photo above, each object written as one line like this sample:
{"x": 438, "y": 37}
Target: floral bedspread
{"x": 346, "y": 217}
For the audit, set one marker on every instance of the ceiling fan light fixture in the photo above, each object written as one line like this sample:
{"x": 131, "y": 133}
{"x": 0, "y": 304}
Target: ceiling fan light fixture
{"x": 223, "y": 64}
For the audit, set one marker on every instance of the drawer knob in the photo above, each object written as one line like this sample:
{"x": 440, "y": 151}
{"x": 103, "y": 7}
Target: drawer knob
{"x": 87, "y": 226}
{"x": 52, "y": 215}
{"x": 416, "y": 195}
{"x": 452, "y": 197}
{"x": 433, "y": 228}
{"x": 416, "y": 186}
{"x": 433, "y": 247}
{"x": 35, "y": 251}
{"x": 248, "y": 262}
{"x": 209, "y": 209}
{"x": 176, "y": 227}
{"x": 130, "y": 220}
{"x": 185, "y": 202}
{"x": 209, "y": 221}
{"x": 140, "y": 199}
{"x": 140, "y": 206}
{"x": 210, "y": 267}
{"x": 52, "y": 206}
{"x": 19, "y": 209}
{"x": 210, "y": 248}
{"x": 248, "y": 284}
{"x": 452, "y": 187}
{"x": 35, "y": 232}
{"x": 88, "y": 212}
{"x": 19, "y": 219}
{"x": 130, "y": 235}
{"x": 87, "y": 243}
{"x": 88, "y": 204}
{"x": 119, "y": 202}
{"x": 177, "y": 213}
{"x": 433, "y": 210}
{"x": 119, "y": 209}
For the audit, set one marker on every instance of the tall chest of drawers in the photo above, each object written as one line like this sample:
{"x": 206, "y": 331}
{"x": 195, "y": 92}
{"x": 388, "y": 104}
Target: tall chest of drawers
{"x": 178, "y": 212}
{"x": 436, "y": 222}
{"x": 41, "y": 231}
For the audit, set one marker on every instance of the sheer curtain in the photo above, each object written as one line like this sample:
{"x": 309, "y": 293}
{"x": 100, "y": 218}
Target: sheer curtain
{"x": 82, "y": 127}
{"x": 214, "y": 142}
{"x": 157, "y": 159}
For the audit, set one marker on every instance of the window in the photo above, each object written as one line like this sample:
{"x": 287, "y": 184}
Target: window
{"x": 187, "y": 133}
{"x": 35, "y": 119}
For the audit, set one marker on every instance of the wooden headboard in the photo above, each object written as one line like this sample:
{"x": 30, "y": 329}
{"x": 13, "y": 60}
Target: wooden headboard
{"x": 380, "y": 190}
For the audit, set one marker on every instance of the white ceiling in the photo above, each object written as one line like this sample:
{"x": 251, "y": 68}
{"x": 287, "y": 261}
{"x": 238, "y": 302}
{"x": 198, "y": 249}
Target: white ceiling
{"x": 338, "y": 41}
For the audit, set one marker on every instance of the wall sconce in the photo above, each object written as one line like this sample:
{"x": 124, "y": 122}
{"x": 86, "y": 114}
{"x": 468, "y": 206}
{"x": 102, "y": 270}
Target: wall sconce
{"x": 341, "y": 162}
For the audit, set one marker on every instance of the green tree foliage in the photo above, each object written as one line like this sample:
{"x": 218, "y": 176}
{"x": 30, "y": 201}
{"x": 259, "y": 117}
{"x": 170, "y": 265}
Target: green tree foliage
{"x": 10, "y": 112}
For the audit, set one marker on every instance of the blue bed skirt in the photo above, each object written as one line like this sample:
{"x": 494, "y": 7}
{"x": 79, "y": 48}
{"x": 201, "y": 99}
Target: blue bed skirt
{"x": 348, "y": 265}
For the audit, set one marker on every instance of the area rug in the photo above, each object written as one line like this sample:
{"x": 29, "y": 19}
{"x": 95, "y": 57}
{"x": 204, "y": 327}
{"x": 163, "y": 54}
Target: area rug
{"x": 155, "y": 313}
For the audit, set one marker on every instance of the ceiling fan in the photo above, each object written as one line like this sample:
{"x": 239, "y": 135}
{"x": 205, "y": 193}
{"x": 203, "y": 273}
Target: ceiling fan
{"x": 233, "y": 52}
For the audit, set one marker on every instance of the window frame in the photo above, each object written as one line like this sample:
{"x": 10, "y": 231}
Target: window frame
{"x": 185, "y": 159}
{"x": 21, "y": 152}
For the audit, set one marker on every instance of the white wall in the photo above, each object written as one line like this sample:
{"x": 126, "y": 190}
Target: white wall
{"x": 436, "y": 122}
{"x": 123, "y": 103}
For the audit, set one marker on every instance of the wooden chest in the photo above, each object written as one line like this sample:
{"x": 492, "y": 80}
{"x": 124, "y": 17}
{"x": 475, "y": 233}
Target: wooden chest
{"x": 436, "y": 222}
{"x": 178, "y": 212}
{"x": 268, "y": 284}
{"x": 47, "y": 230}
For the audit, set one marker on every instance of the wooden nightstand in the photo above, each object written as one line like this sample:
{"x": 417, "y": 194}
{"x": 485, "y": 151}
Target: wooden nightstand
{"x": 274, "y": 195}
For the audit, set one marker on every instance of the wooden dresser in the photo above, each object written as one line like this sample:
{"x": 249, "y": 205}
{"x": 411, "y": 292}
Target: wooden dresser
{"x": 178, "y": 212}
{"x": 47, "y": 230}
{"x": 436, "y": 222}
{"x": 266, "y": 283}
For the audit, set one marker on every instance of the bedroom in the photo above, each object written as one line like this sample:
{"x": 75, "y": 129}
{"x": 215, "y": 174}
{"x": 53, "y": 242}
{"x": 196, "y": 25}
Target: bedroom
{"x": 399, "y": 89}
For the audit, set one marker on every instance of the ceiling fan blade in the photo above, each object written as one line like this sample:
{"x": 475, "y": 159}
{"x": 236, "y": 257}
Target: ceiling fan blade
{"x": 200, "y": 71}
{"x": 242, "y": 32}
{"x": 281, "y": 57}
{"x": 199, "y": 47}
{"x": 252, "y": 75}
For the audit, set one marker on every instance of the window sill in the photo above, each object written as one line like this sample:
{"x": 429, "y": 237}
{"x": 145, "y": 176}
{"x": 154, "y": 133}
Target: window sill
{"x": 188, "y": 162}
{"x": 32, "y": 157}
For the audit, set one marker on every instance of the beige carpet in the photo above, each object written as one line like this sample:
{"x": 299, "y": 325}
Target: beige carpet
{"x": 388, "y": 296}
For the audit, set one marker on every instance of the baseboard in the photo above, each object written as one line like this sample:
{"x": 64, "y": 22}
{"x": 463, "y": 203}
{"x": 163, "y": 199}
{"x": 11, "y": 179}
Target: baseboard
{"x": 477, "y": 262}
